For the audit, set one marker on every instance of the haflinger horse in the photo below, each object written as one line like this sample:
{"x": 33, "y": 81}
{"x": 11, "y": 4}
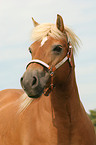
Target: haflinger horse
{"x": 49, "y": 110}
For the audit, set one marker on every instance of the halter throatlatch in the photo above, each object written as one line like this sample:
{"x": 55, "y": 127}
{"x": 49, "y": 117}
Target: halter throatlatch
{"x": 51, "y": 70}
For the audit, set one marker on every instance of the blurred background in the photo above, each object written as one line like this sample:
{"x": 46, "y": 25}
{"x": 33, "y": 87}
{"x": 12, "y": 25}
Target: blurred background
{"x": 15, "y": 39}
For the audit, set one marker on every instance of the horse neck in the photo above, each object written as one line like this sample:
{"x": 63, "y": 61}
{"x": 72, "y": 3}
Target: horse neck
{"x": 65, "y": 100}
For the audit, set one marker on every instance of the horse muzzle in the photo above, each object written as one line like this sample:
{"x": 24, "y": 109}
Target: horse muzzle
{"x": 33, "y": 82}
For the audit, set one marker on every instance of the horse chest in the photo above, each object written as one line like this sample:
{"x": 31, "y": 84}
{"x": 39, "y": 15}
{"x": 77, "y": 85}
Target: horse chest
{"x": 40, "y": 132}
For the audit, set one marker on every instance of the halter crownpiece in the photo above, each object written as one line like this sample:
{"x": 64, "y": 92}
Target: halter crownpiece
{"x": 51, "y": 70}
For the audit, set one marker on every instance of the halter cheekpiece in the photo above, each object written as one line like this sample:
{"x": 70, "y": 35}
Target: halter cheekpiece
{"x": 51, "y": 70}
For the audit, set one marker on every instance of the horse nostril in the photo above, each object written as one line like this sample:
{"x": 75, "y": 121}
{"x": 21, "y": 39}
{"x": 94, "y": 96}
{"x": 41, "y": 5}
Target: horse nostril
{"x": 34, "y": 81}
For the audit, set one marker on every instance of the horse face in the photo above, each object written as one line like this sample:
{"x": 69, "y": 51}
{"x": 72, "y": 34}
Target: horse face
{"x": 37, "y": 78}
{"x": 51, "y": 50}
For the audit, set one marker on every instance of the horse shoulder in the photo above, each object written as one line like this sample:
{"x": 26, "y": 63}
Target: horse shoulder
{"x": 9, "y": 132}
{"x": 10, "y": 94}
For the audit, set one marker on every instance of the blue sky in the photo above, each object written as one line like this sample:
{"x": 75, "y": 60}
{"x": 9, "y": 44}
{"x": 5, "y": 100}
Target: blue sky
{"x": 15, "y": 33}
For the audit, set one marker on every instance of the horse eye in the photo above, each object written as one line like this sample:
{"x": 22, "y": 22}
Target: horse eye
{"x": 57, "y": 49}
{"x": 30, "y": 50}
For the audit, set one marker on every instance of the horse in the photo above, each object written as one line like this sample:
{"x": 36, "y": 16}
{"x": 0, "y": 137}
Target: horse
{"x": 48, "y": 110}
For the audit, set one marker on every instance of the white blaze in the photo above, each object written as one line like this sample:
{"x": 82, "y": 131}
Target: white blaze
{"x": 43, "y": 40}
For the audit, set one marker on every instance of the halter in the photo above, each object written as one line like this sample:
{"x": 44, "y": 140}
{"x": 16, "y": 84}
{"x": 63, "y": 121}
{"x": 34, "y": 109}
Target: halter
{"x": 51, "y": 70}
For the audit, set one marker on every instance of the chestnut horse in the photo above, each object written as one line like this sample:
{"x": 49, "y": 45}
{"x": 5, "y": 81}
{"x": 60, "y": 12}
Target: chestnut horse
{"x": 53, "y": 113}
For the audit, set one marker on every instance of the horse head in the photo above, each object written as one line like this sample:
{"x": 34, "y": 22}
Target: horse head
{"x": 51, "y": 54}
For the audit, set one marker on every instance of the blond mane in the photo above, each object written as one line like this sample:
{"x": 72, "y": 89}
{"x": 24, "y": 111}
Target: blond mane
{"x": 24, "y": 101}
{"x": 48, "y": 29}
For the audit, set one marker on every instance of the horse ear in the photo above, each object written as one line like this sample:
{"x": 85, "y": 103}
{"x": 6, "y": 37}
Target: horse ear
{"x": 34, "y": 22}
{"x": 59, "y": 23}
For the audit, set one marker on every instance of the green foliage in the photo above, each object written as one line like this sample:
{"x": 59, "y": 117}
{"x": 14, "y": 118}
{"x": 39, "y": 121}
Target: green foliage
{"x": 92, "y": 116}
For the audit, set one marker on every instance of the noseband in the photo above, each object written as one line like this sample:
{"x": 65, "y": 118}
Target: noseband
{"x": 51, "y": 70}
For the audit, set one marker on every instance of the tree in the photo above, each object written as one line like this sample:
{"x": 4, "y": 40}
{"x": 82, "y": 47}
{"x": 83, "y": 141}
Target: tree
{"x": 92, "y": 116}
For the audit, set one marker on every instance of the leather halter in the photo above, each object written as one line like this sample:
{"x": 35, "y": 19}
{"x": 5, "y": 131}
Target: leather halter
{"x": 51, "y": 70}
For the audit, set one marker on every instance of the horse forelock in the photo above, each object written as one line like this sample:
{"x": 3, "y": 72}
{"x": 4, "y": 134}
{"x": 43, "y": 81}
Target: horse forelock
{"x": 48, "y": 29}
